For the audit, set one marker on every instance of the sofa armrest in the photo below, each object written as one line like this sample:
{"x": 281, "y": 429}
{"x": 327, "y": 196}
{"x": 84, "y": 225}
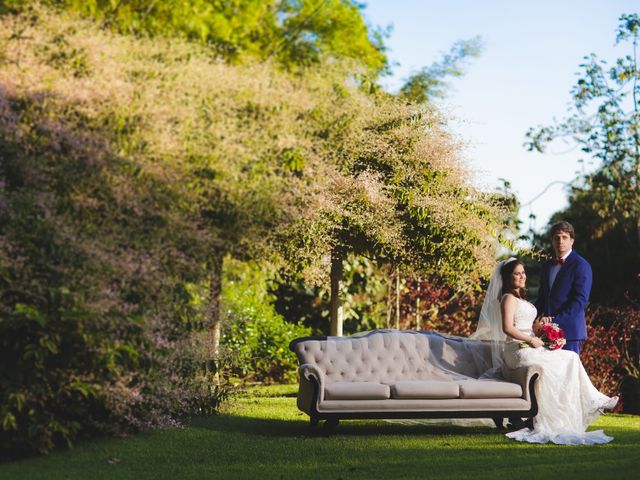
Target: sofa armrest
{"x": 523, "y": 377}
{"x": 311, "y": 390}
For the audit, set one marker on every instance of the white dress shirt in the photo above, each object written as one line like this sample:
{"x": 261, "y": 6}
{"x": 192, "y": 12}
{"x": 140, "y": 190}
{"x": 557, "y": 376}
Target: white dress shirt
{"x": 555, "y": 268}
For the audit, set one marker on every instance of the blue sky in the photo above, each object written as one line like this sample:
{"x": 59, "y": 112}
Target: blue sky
{"x": 532, "y": 52}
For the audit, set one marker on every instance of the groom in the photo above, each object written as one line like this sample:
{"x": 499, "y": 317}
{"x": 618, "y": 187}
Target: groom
{"x": 565, "y": 284}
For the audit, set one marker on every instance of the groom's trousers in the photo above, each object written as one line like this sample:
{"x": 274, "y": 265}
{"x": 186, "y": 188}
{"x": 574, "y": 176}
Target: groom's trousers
{"x": 573, "y": 345}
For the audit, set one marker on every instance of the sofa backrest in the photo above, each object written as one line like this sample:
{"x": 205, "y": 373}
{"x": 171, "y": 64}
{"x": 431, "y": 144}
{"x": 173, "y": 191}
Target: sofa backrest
{"x": 385, "y": 356}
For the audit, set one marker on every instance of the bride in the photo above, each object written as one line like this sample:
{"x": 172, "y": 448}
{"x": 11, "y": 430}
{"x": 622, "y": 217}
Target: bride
{"x": 567, "y": 400}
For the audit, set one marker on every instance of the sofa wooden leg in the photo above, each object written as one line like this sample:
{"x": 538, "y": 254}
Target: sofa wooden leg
{"x": 499, "y": 421}
{"x": 313, "y": 421}
{"x": 516, "y": 423}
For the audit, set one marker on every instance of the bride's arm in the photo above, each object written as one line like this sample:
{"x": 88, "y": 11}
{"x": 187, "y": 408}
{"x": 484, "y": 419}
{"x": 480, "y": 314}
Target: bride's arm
{"x": 508, "y": 310}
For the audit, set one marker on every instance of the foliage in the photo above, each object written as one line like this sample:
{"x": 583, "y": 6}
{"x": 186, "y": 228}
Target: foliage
{"x": 105, "y": 205}
{"x": 611, "y": 354}
{"x": 95, "y": 320}
{"x": 258, "y": 336}
{"x": 35, "y": 397}
{"x": 439, "y": 307}
{"x": 396, "y": 195}
{"x": 293, "y": 32}
{"x": 122, "y": 173}
{"x": 430, "y": 82}
{"x": 313, "y": 29}
{"x": 131, "y": 165}
{"x": 369, "y": 291}
{"x": 369, "y": 301}
{"x": 604, "y": 205}
{"x": 364, "y": 295}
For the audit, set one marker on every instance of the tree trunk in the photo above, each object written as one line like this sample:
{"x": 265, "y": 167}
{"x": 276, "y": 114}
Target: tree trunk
{"x": 418, "y": 322}
{"x": 398, "y": 298}
{"x": 336, "y": 304}
{"x": 213, "y": 311}
{"x": 389, "y": 300}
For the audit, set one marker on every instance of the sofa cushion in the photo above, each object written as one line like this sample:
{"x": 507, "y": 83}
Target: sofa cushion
{"x": 356, "y": 391}
{"x": 440, "y": 405}
{"x": 425, "y": 389}
{"x": 489, "y": 389}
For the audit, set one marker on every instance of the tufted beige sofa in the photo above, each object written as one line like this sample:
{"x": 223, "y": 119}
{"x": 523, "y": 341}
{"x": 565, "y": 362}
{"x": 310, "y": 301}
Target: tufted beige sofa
{"x": 406, "y": 374}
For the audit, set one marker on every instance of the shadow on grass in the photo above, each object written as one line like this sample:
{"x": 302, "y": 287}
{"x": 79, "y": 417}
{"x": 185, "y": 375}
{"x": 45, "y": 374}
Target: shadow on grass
{"x": 298, "y": 428}
{"x": 268, "y": 391}
{"x": 282, "y": 445}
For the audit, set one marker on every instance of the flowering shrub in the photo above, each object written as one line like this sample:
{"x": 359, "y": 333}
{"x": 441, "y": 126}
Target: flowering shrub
{"x": 95, "y": 323}
{"x": 440, "y": 307}
{"x": 611, "y": 354}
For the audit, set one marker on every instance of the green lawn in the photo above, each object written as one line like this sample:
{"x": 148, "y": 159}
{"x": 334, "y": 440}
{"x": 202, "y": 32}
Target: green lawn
{"x": 264, "y": 436}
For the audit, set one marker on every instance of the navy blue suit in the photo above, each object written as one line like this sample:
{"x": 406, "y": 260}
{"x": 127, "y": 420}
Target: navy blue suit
{"x": 568, "y": 298}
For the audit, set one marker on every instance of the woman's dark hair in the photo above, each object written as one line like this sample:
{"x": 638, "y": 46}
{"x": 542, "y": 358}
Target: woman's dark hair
{"x": 507, "y": 281}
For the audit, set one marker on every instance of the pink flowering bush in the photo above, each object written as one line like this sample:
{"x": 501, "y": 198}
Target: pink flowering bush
{"x": 440, "y": 307}
{"x": 94, "y": 320}
{"x": 96, "y": 325}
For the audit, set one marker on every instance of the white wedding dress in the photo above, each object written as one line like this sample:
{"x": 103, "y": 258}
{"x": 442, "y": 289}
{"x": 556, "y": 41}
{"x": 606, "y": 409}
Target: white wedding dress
{"x": 567, "y": 400}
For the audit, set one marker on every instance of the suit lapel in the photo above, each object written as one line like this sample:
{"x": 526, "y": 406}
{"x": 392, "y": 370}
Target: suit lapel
{"x": 546, "y": 271}
{"x": 546, "y": 286}
{"x": 563, "y": 270}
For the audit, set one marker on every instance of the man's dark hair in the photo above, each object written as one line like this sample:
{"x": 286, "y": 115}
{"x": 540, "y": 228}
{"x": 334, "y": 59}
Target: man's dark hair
{"x": 563, "y": 227}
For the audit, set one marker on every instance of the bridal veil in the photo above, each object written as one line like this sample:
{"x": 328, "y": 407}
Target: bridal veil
{"x": 490, "y": 322}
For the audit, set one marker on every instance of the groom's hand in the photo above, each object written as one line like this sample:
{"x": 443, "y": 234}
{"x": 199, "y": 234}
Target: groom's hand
{"x": 537, "y": 323}
{"x": 546, "y": 320}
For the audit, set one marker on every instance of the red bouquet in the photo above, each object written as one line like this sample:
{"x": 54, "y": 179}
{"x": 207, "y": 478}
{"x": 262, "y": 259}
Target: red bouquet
{"x": 552, "y": 336}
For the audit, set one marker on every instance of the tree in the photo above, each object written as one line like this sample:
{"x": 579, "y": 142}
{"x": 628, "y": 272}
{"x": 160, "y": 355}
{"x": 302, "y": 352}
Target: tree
{"x": 604, "y": 205}
{"x": 396, "y": 193}
{"x": 293, "y": 32}
{"x": 314, "y": 30}
{"x": 430, "y": 82}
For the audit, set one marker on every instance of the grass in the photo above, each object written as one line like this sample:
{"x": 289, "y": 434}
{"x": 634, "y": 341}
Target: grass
{"x": 263, "y": 435}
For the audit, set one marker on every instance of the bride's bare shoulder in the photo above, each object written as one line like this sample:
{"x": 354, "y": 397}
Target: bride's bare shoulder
{"x": 508, "y": 298}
